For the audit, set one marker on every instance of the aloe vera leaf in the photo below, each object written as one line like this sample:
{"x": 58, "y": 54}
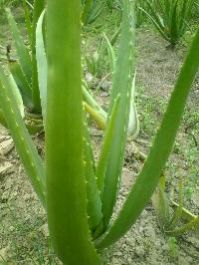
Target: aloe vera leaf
{"x": 115, "y": 36}
{"x": 161, "y": 21}
{"x": 93, "y": 195}
{"x": 186, "y": 214}
{"x": 122, "y": 82}
{"x": 183, "y": 15}
{"x": 155, "y": 20}
{"x": 103, "y": 160}
{"x": 161, "y": 203}
{"x": 66, "y": 184}
{"x": 133, "y": 125}
{"x": 86, "y": 10}
{"x": 186, "y": 11}
{"x": 22, "y": 83}
{"x": 149, "y": 177}
{"x": 39, "y": 5}
{"x": 22, "y": 51}
{"x": 29, "y": 4}
{"x": 178, "y": 212}
{"x": 95, "y": 11}
{"x": 88, "y": 98}
{"x": 174, "y": 31}
{"x": 98, "y": 118}
{"x": 111, "y": 54}
{"x": 28, "y": 21}
{"x": 41, "y": 65}
{"x": 11, "y": 83}
{"x": 2, "y": 119}
{"x": 158, "y": 21}
{"x": 105, "y": 151}
{"x": 192, "y": 225}
{"x": 24, "y": 144}
{"x": 93, "y": 108}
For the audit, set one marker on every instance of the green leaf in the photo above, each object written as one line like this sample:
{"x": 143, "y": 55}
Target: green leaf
{"x": 93, "y": 108}
{"x": 133, "y": 125}
{"x": 41, "y": 65}
{"x": 66, "y": 183}
{"x": 39, "y": 6}
{"x": 86, "y": 10}
{"x": 149, "y": 177}
{"x": 111, "y": 54}
{"x": 22, "y": 51}
{"x": 12, "y": 106}
{"x": 22, "y": 83}
{"x": 161, "y": 204}
{"x": 192, "y": 225}
{"x": 105, "y": 151}
{"x": 122, "y": 83}
{"x": 28, "y": 21}
{"x": 93, "y": 194}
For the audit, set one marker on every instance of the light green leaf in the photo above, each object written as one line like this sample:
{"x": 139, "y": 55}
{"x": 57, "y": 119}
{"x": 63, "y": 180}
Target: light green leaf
{"x": 41, "y": 65}
{"x": 148, "y": 179}
{"x": 12, "y": 107}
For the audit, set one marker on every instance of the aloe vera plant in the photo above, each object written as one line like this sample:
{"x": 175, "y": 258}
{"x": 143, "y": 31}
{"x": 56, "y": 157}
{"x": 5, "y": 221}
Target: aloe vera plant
{"x": 114, "y": 3}
{"x": 30, "y": 70}
{"x": 91, "y": 10}
{"x": 140, "y": 16}
{"x": 77, "y": 192}
{"x": 25, "y": 69}
{"x": 176, "y": 221}
{"x": 170, "y": 17}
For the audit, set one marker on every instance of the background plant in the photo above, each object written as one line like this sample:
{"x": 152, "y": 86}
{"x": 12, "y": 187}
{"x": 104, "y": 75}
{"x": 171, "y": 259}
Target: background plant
{"x": 175, "y": 220}
{"x": 91, "y": 10}
{"x": 25, "y": 68}
{"x": 140, "y": 16}
{"x": 170, "y": 17}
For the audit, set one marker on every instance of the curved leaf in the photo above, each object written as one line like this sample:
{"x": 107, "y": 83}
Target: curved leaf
{"x": 149, "y": 177}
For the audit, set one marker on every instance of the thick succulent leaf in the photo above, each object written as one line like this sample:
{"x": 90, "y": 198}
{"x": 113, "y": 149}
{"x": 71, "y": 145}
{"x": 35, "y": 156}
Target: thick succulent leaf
{"x": 122, "y": 82}
{"x": 41, "y": 65}
{"x": 22, "y": 51}
{"x": 133, "y": 125}
{"x": 105, "y": 152}
{"x": 94, "y": 109}
{"x": 86, "y": 10}
{"x": 66, "y": 183}
{"x": 39, "y": 6}
{"x": 2, "y": 119}
{"x": 175, "y": 31}
{"x": 148, "y": 179}
{"x": 190, "y": 226}
{"x": 11, "y": 105}
{"x": 161, "y": 204}
{"x": 111, "y": 53}
{"x": 29, "y": 4}
{"x": 92, "y": 11}
{"x": 178, "y": 211}
{"x": 11, "y": 83}
{"x": 22, "y": 83}
{"x": 28, "y": 20}
{"x": 93, "y": 194}
{"x": 157, "y": 22}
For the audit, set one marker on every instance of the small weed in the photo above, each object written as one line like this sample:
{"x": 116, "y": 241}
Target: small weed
{"x": 173, "y": 247}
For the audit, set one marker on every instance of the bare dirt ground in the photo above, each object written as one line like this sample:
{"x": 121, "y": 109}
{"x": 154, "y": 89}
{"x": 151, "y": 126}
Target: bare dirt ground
{"x": 24, "y": 237}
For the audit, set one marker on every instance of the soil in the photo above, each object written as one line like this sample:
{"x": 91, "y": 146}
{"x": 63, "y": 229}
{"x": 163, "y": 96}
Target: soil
{"x": 24, "y": 237}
